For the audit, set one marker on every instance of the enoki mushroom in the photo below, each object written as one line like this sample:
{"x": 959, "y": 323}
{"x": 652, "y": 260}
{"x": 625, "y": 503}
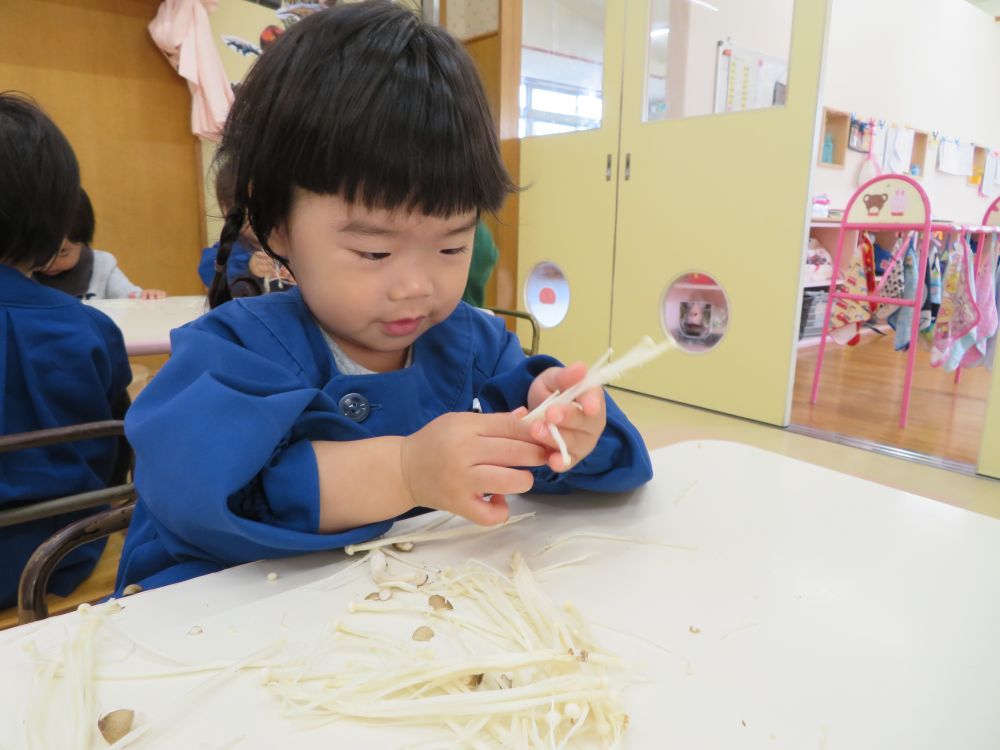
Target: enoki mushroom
{"x": 495, "y": 660}
{"x": 599, "y": 374}
{"x": 472, "y": 654}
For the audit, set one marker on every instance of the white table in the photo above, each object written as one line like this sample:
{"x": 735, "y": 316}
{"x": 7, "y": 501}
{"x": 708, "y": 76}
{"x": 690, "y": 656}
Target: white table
{"x": 816, "y": 610}
{"x": 147, "y": 323}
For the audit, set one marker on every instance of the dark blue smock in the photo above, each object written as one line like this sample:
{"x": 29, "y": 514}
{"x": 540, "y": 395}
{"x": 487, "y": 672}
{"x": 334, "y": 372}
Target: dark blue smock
{"x": 225, "y": 469}
{"x": 61, "y": 363}
{"x": 238, "y": 264}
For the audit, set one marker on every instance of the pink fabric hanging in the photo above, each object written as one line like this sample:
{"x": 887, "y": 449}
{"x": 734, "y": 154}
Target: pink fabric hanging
{"x": 985, "y": 301}
{"x": 182, "y": 31}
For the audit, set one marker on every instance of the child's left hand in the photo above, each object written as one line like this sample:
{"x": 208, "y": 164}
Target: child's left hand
{"x": 152, "y": 294}
{"x": 580, "y": 423}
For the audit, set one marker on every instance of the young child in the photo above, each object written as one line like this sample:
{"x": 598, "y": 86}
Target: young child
{"x": 249, "y": 270}
{"x": 61, "y": 363}
{"x": 286, "y": 423}
{"x": 85, "y": 273}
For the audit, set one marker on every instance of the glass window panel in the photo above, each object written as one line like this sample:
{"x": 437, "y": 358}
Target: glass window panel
{"x": 715, "y": 56}
{"x": 562, "y": 65}
{"x": 546, "y": 100}
{"x": 590, "y": 107}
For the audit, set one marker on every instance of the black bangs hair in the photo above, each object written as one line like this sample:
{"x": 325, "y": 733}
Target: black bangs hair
{"x": 365, "y": 101}
{"x": 39, "y": 183}
{"x": 82, "y": 228}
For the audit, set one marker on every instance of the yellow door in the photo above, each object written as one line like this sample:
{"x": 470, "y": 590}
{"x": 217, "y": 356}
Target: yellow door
{"x": 567, "y": 209}
{"x": 725, "y": 195}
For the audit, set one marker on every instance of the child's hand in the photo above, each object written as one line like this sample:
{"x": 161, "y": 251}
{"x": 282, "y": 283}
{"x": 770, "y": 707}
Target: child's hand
{"x": 580, "y": 423}
{"x": 459, "y": 457}
{"x": 149, "y": 294}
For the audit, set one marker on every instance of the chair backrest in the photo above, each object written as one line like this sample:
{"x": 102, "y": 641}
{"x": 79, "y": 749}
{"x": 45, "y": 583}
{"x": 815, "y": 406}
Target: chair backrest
{"x": 31, "y": 603}
{"x": 535, "y": 330}
{"x": 119, "y": 492}
{"x": 69, "y": 434}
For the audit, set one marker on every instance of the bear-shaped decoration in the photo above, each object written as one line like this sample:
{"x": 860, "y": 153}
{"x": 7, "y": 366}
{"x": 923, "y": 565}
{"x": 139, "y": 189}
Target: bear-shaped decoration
{"x": 874, "y": 202}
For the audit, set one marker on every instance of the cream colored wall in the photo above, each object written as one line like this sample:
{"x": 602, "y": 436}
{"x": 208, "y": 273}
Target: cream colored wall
{"x": 933, "y": 65}
{"x": 763, "y": 25}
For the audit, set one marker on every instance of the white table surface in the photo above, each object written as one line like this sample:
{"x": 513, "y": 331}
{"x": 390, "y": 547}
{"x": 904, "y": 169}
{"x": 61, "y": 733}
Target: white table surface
{"x": 146, "y": 323}
{"x": 833, "y": 613}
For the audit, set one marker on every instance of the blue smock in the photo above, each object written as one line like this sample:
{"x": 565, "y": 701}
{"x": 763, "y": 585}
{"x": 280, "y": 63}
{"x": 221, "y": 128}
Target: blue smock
{"x": 61, "y": 363}
{"x": 225, "y": 468}
{"x": 238, "y": 264}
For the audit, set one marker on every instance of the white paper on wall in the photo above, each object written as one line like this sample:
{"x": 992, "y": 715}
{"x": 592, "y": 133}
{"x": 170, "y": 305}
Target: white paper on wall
{"x": 966, "y": 159}
{"x": 880, "y": 139}
{"x": 948, "y": 157}
{"x": 990, "y": 187}
{"x": 899, "y": 150}
{"x": 887, "y": 146}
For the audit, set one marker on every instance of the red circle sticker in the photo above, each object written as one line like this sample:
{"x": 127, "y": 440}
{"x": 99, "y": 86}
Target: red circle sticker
{"x": 547, "y": 295}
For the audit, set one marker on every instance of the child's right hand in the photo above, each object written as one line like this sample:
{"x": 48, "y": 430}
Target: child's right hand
{"x": 452, "y": 462}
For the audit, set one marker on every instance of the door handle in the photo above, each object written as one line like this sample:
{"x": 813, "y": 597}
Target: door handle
{"x": 607, "y": 170}
{"x": 628, "y": 166}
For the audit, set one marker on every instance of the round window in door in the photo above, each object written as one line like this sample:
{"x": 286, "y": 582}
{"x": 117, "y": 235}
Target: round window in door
{"x": 546, "y": 294}
{"x": 695, "y": 311}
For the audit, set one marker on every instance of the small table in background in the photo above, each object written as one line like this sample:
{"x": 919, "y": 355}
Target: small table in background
{"x": 147, "y": 323}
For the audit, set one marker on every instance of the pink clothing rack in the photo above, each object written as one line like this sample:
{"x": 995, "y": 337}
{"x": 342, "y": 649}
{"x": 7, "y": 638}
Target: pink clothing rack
{"x": 893, "y": 202}
{"x": 886, "y": 203}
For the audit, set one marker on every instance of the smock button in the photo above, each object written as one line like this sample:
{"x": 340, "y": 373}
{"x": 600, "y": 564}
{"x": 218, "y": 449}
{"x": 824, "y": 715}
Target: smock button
{"x": 354, "y": 406}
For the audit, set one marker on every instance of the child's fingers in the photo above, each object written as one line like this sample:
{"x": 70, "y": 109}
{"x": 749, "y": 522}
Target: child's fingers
{"x": 501, "y": 480}
{"x": 549, "y": 381}
{"x": 485, "y": 512}
{"x": 569, "y": 376}
{"x": 556, "y": 463}
{"x": 509, "y": 425}
{"x": 592, "y": 402}
{"x": 500, "y": 451}
{"x": 575, "y": 415}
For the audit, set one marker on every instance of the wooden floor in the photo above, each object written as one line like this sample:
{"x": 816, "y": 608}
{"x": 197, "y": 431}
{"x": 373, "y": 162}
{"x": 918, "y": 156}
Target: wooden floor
{"x": 861, "y": 391}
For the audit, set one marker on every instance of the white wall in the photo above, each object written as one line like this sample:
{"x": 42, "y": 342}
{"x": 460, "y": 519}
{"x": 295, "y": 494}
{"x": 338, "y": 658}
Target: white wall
{"x": 933, "y": 65}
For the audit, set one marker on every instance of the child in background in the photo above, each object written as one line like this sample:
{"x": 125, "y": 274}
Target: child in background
{"x": 484, "y": 258}
{"x": 249, "y": 271}
{"x": 61, "y": 362}
{"x": 85, "y": 273}
{"x": 239, "y": 256}
{"x": 286, "y": 423}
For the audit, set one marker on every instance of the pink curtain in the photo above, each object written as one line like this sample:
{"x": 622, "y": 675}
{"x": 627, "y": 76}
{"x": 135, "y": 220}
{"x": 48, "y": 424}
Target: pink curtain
{"x": 181, "y": 29}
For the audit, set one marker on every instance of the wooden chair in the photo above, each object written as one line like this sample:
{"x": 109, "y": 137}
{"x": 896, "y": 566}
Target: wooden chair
{"x": 120, "y": 493}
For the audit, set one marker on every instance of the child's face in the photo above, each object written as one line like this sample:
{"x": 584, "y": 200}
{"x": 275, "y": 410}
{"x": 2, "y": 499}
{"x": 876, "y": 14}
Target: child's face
{"x": 374, "y": 279}
{"x": 68, "y": 257}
